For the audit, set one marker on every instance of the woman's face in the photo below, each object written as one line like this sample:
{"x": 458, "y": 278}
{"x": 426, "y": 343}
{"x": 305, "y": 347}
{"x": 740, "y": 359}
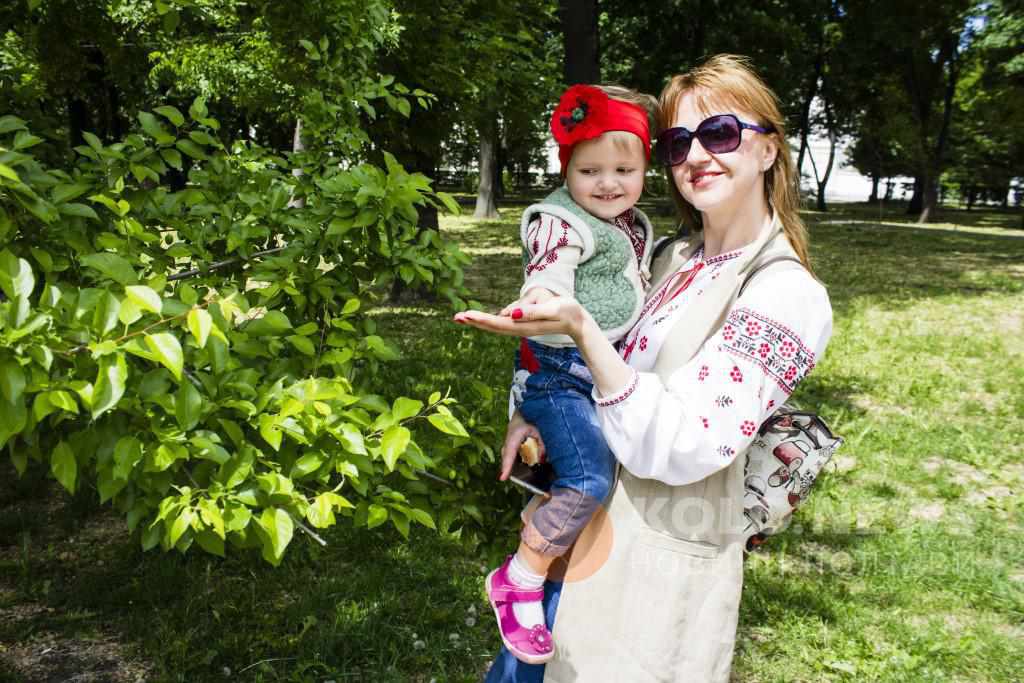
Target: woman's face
{"x": 721, "y": 181}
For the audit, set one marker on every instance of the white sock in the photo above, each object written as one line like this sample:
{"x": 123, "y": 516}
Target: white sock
{"x": 527, "y": 613}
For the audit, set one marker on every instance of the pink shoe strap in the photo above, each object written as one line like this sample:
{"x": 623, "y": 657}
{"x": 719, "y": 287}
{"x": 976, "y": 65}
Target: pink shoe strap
{"x": 511, "y": 594}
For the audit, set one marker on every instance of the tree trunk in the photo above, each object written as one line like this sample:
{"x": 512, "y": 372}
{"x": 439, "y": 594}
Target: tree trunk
{"x": 971, "y": 194}
{"x": 78, "y": 120}
{"x": 917, "y": 199}
{"x": 485, "y": 204}
{"x": 874, "y": 187}
{"x": 805, "y": 109}
{"x": 579, "y": 29}
{"x": 297, "y": 146}
{"x": 947, "y": 54}
{"x": 830, "y": 122}
{"x": 889, "y": 187}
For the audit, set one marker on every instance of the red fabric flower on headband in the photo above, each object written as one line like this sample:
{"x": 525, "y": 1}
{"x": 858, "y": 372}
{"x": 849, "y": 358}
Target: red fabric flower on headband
{"x": 580, "y": 115}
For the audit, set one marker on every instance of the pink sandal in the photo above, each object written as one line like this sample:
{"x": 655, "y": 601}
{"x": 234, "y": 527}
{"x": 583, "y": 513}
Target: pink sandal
{"x": 530, "y": 645}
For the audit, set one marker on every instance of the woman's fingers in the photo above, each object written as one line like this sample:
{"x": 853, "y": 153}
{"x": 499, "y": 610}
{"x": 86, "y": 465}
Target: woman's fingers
{"x": 523, "y": 326}
{"x": 518, "y": 431}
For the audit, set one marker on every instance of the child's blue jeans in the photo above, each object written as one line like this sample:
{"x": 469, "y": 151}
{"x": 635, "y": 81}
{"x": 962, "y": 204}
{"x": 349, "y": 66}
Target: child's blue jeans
{"x": 557, "y": 400}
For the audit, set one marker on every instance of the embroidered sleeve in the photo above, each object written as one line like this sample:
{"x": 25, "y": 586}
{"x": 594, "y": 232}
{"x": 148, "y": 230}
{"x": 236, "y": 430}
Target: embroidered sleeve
{"x": 553, "y": 250}
{"x": 710, "y": 409}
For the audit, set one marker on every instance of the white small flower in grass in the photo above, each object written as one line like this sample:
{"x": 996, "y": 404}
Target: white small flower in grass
{"x": 483, "y": 569}
{"x": 454, "y": 637}
{"x": 418, "y": 645}
{"x": 226, "y": 671}
{"x": 471, "y": 610}
{"x": 470, "y": 621}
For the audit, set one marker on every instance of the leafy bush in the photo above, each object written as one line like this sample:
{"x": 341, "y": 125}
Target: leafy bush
{"x": 183, "y": 328}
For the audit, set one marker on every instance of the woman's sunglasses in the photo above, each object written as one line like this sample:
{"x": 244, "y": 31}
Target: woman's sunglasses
{"x": 717, "y": 134}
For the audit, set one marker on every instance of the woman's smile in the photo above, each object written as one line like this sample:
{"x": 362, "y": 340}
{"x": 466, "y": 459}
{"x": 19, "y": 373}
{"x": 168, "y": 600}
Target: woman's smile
{"x": 704, "y": 178}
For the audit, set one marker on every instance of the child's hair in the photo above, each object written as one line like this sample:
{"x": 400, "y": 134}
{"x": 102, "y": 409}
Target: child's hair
{"x": 730, "y": 81}
{"x": 625, "y": 140}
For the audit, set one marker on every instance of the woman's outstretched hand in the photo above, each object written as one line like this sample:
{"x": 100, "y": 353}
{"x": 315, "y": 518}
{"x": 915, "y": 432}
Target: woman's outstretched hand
{"x": 518, "y": 431}
{"x": 558, "y": 315}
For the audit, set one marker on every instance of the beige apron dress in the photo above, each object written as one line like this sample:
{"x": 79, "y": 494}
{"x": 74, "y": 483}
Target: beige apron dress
{"x": 664, "y": 606}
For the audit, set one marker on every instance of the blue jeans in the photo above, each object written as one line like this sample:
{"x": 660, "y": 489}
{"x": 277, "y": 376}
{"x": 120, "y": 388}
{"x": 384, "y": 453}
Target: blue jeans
{"x": 557, "y": 400}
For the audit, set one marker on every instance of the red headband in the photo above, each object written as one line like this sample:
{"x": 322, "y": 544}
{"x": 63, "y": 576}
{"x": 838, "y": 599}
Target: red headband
{"x": 586, "y": 112}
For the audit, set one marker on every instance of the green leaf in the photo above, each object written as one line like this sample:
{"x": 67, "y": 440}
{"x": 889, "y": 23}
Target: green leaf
{"x": 269, "y": 430}
{"x": 152, "y": 126}
{"x": 129, "y": 312}
{"x": 180, "y": 526}
{"x": 422, "y": 517}
{"x": 376, "y": 516}
{"x": 113, "y": 266}
{"x": 63, "y": 400}
{"x": 127, "y": 454}
{"x": 236, "y": 516}
{"x": 210, "y": 514}
{"x": 171, "y": 114}
{"x": 320, "y": 513}
{"x": 237, "y": 469}
{"x": 9, "y": 173}
{"x": 165, "y": 456}
{"x": 24, "y": 140}
{"x": 144, "y": 297}
{"x": 401, "y": 523}
{"x": 172, "y": 157}
{"x": 393, "y": 444}
{"x": 271, "y": 323}
{"x": 191, "y": 149}
{"x": 16, "y": 278}
{"x": 65, "y": 192}
{"x": 64, "y": 466}
{"x": 404, "y": 408}
{"x": 199, "y": 323}
{"x": 278, "y": 525}
{"x": 80, "y": 210}
{"x": 9, "y": 123}
{"x": 12, "y": 380}
{"x": 168, "y": 351}
{"x": 448, "y": 424}
{"x": 302, "y": 344}
{"x": 13, "y": 417}
{"x": 351, "y": 438}
{"x": 109, "y": 387}
{"x": 188, "y": 404}
{"x": 105, "y": 315}
{"x": 306, "y": 465}
{"x": 208, "y": 540}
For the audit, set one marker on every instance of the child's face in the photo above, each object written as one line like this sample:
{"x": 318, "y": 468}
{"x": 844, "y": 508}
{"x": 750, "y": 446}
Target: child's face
{"x": 605, "y": 176}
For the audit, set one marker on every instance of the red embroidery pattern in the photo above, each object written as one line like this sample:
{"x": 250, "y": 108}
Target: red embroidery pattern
{"x": 541, "y": 258}
{"x": 643, "y": 343}
{"x": 726, "y": 452}
{"x": 605, "y": 403}
{"x": 735, "y": 375}
{"x": 704, "y": 421}
{"x": 703, "y": 374}
{"x": 747, "y": 428}
{"x": 625, "y": 222}
{"x": 776, "y": 349}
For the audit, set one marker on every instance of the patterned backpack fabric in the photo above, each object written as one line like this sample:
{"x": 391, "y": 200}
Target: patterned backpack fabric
{"x": 782, "y": 464}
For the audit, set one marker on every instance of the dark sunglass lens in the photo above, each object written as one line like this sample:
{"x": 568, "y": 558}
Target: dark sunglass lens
{"x": 677, "y": 146}
{"x": 719, "y": 134}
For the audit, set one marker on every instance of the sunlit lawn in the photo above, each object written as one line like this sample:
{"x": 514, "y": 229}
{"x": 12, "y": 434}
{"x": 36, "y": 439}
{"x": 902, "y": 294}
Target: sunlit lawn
{"x": 906, "y": 565}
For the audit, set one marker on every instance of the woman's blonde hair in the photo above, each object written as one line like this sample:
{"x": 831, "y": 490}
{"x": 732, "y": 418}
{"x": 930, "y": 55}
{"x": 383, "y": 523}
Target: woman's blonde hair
{"x": 730, "y": 81}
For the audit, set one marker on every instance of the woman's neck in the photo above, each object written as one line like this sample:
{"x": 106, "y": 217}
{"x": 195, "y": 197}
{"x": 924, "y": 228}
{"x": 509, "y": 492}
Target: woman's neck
{"x": 730, "y": 228}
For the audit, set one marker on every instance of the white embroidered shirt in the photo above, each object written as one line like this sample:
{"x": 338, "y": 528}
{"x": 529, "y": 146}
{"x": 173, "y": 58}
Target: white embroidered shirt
{"x": 709, "y": 410}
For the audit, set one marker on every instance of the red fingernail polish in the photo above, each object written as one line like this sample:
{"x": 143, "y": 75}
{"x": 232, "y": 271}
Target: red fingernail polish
{"x": 517, "y": 314}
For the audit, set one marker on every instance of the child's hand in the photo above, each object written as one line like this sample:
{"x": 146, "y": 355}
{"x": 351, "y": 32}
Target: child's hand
{"x": 537, "y": 295}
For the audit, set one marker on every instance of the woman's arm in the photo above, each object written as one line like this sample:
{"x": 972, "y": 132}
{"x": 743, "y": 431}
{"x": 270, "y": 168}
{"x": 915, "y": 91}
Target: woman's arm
{"x": 706, "y": 414}
{"x": 561, "y": 315}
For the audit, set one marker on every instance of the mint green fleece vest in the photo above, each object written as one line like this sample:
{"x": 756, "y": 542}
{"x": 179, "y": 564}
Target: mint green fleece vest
{"x": 602, "y": 285}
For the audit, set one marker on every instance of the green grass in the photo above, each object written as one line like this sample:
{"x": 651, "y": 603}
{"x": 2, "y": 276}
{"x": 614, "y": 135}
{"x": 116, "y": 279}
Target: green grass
{"x": 906, "y": 565}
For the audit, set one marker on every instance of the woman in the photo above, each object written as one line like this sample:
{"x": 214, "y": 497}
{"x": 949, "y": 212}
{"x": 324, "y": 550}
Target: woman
{"x": 733, "y": 321}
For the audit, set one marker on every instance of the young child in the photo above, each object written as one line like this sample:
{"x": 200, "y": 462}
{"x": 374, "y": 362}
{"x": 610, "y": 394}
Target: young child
{"x": 585, "y": 240}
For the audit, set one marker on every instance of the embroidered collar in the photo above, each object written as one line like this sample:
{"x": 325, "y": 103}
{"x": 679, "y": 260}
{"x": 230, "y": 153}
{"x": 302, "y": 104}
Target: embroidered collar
{"x": 625, "y": 220}
{"x": 721, "y": 258}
